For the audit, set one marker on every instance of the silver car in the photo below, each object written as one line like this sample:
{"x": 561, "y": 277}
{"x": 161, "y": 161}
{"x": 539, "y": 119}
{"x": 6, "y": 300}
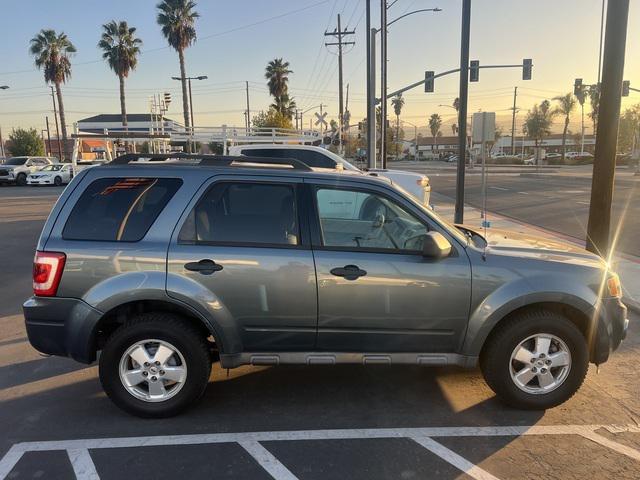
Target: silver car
{"x": 166, "y": 266}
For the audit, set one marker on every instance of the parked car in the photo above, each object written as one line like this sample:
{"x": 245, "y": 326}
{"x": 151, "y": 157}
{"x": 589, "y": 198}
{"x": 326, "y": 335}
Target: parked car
{"x": 552, "y": 155}
{"x": 578, "y": 155}
{"x": 55, "y": 174}
{"x": 16, "y": 169}
{"x": 166, "y": 267}
{"x": 416, "y": 184}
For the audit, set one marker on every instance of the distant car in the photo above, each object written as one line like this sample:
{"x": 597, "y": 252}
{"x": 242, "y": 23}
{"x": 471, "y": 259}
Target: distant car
{"x": 452, "y": 159}
{"x": 552, "y": 155}
{"x": 530, "y": 161}
{"x": 55, "y": 174}
{"x": 578, "y": 155}
{"x": 499, "y": 155}
{"x": 16, "y": 169}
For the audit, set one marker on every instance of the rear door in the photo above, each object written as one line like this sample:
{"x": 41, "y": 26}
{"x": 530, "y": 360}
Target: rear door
{"x": 241, "y": 255}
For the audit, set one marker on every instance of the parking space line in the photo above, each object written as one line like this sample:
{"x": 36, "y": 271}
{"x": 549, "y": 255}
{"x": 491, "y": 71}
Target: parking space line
{"x": 82, "y": 464}
{"x": 267, "y": 461}
{"x": 453, "y": 458}
{"x": 11, "y": 458}
{"x": 615, "y": 446}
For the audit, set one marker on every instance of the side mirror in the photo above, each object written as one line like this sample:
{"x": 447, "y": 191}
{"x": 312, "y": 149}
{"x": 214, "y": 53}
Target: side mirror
{"x": 435, "y": 245}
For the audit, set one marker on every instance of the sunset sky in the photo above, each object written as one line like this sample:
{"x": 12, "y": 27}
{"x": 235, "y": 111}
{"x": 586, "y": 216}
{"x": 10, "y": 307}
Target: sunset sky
{"x": 237, "y": 38}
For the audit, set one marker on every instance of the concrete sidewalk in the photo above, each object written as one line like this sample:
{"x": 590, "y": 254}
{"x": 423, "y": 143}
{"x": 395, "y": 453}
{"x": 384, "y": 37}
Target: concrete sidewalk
{"x": 627, "y": 266}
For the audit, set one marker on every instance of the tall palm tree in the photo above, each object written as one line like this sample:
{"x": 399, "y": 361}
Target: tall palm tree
{"x": 566, "y": 105}
{"x": 52, "y": 52}
{"x": 581, "y": 96}
{"x": 397, "y": 102}
{"x": 177, "y": 19}
{"x": 594, "y": 100}
{"x": 277, "y": 75}
{"x": 435, "y": 122}
{"x": 120, "y": 48}
{"x": 285, "y": 106}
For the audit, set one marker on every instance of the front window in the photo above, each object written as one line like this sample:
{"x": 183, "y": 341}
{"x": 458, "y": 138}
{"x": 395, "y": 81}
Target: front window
{"x": 51, "y": 168}
{"x": 355, "y": 219}
{"x": 16, "y": 161}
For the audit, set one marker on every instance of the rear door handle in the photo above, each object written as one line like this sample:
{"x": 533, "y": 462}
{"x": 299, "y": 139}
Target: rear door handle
{"x": 348, "y": 272}
{"x": 205, "y": 266}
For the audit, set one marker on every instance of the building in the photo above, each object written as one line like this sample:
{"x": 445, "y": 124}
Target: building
{"x": 136, "y": 122}
{"x": 551, "y": 143}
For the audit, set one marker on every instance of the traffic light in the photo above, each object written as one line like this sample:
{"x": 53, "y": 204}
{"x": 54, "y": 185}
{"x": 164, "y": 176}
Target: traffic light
{"x": 577, "y": 87}
{"x": 474, "y": 71}
{"x": 428, "y": 81}
{"x": 167, "y": 98}
{"x": 527, "y": 64}
{"x": 625, "y": 88}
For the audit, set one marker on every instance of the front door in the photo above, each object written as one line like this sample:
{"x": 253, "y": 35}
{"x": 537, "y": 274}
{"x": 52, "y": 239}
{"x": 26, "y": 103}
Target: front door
{"x": 376, "y": 292}
{"x": 241, "y": 258}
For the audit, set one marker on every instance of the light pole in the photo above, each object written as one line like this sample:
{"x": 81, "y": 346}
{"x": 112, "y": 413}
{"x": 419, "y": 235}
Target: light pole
{"x": 200, "y": 77}
{"x": 415, "y": 139}
{"x": 2, "y": 87}
{"x": 383, "y": 70}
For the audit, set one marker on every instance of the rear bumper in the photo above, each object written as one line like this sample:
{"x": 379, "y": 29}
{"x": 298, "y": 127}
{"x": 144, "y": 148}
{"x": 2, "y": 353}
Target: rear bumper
{"x": 62, "y": 326}
{"x": 612, "y": 328}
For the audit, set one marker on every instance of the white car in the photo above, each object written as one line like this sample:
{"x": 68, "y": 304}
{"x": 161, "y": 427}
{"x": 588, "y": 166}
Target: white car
{"x": 578, "y": 155}
{"x": 416, "y": 184}
{"x": 54, "y": 174}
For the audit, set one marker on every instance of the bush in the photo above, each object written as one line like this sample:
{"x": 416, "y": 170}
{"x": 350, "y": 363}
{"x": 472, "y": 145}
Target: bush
{"x": 504, "y": 161}
{"x": 23, "y": 143}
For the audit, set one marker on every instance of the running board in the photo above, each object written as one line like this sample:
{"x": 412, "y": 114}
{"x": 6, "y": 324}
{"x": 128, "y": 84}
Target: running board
{"x": 333, "y": 358}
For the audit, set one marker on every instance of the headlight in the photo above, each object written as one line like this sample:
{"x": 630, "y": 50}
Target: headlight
{"x": 613, "y": 286}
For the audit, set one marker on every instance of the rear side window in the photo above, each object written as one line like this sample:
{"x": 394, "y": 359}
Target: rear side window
{"x": 309, "y": 157}
{"x": 244, "y": 213}
{"x": 119, "y": 209}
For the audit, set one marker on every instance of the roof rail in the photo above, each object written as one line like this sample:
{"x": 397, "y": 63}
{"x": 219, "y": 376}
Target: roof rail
{"x": 210, "y": 160}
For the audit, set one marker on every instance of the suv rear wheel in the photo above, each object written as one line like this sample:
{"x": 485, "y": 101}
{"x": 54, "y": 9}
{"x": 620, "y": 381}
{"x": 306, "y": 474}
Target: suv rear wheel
{"x": 155, "y": 365}
{"x": 21, "y": 180}
{"x": 536, "y": 360}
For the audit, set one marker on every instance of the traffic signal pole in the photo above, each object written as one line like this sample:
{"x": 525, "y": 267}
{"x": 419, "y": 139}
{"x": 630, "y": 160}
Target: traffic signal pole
{"x": 462, "y": 109}
{"x": 604, "y": 163}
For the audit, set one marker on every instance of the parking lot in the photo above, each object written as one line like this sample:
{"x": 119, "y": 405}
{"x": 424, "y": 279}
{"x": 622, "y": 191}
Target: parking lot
{"x": 287, "y": 422}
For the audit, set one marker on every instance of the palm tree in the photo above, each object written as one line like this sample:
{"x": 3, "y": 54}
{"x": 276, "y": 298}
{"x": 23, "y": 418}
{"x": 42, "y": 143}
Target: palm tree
{"x": 120, "y": 48}
{"x": 52, "y": 52}
{"x": 566, "y": 105}
{"x": 397, "y": 102}
{"x": 177, "y": 19}
{"x": 581, "y": 96}
{"x": 435, "y": 122}
{"x": 285, "y": 106}
{"x": 594, "y": 100}
{"x": 277, "y": 75}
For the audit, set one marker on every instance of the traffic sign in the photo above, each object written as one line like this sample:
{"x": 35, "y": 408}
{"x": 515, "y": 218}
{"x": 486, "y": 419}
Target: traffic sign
{"x": 321, "y": 119}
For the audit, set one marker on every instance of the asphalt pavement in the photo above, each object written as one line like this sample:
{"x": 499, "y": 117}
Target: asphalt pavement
{"x": 320, "y": 422}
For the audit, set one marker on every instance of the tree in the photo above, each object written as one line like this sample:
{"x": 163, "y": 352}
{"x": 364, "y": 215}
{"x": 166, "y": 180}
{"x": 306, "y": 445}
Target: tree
{"x": 566, "y": 105}
{"x": 581, "y": 96}
{"x": 277, "y": 75}
{"x": 538, "y": 122}
{"x": 594, "y": 100}
{"x": 629, "y": 130}
{"x": 397, "y": 102}
{"x": 456, "y": 104}
{"x": 177, "y": 19}
{"x": 271, "y": 119}
{"x": 52, "y": 52}
{"x": 435, "y": 122}
{"x": 25, "y": 143}
{"x": 120, "y": 48}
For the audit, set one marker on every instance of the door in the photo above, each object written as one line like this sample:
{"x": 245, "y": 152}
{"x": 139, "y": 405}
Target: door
{"x": 376, "y": 292}
{"x": 242, "y": 258}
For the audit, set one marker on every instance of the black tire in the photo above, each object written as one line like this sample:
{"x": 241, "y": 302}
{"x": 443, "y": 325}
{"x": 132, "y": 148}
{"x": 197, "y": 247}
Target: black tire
{"x": 21, "y": 180}
{"x": 495, "y": 360}
{"x": 57, "y": 181}
{"x": 161, "y": 326}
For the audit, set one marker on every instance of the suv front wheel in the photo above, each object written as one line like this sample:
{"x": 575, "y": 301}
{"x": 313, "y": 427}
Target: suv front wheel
{"x": 537, "y": 360}
{"x": 155, "y": 365}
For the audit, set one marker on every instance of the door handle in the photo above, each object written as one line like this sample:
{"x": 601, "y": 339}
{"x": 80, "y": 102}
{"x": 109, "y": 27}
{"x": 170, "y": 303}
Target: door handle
{"x": 205, "y": 266}
{"x": 349, "y": 272}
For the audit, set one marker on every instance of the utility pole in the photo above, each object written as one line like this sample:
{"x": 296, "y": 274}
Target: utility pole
{"x": 1, "y": 143}
{"x": 371, "y": 90}
{"x": 248, "y": 111}
{"x": 48, "y": 134}
{"x": 462, "y": 109}
{"x": 55, "y": 114}
{"x": 339, "y": 33}
{"x": 604, "y": 163}
{"x": 383, "y": 83}
{"x": 513, "y": 122}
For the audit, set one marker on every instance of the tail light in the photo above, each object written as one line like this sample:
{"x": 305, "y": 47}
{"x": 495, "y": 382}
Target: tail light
{"x": 613, "y": 286}
{"x": 47, "y": 271}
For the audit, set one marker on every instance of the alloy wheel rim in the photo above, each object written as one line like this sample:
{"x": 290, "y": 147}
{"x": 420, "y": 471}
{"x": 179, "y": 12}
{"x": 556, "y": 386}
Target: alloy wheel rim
{"x": 153, "y": 370}
{"x": 540, "y": 364}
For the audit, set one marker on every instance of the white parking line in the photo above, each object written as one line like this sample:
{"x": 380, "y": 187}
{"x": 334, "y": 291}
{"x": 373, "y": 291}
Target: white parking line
{"x": 523, "y": 193}
{"x": 78, "y": 450}
{"x": 499, "y": 188}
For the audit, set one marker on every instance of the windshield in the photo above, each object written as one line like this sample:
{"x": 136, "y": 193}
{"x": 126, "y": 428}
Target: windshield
{"x": 51, "y": 168}
{"x": 16, "y": 161}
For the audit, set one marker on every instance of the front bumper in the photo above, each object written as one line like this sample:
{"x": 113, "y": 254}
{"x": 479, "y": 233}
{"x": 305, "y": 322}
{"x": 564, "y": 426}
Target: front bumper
{"x": 39, "y": 181}
{"x": 62, "y": 326}
{"x": 611, "y": 329}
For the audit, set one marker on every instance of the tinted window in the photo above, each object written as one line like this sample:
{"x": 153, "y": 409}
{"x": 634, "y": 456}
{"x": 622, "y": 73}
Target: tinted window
{"x": 253, "y": 213}
{"x": 16, "y": 161}
{"x": 356, "y": 219}
{"x": 309, "y": 157}
{"x": 119, "y": 209}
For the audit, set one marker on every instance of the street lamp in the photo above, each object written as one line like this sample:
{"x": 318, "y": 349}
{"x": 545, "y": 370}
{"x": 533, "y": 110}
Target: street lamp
{"x": 200, "y": 77}
{"x": 415, "y": 141}
{"x": 383, "y": 69}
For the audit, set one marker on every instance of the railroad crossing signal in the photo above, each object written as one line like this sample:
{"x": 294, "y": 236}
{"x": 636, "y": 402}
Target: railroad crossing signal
{"x": 321, "y": 119}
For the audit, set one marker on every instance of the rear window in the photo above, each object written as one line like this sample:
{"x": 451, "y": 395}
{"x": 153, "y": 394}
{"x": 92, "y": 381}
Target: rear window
{"x": 309, "y": 157}
{"x": 119, "y": 209}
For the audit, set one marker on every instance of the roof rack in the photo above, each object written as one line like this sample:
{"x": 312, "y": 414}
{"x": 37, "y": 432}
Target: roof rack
{"x": 210, "y": 160}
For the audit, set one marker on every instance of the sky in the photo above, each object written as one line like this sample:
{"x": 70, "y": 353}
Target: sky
{"x": 237, "y": 38}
